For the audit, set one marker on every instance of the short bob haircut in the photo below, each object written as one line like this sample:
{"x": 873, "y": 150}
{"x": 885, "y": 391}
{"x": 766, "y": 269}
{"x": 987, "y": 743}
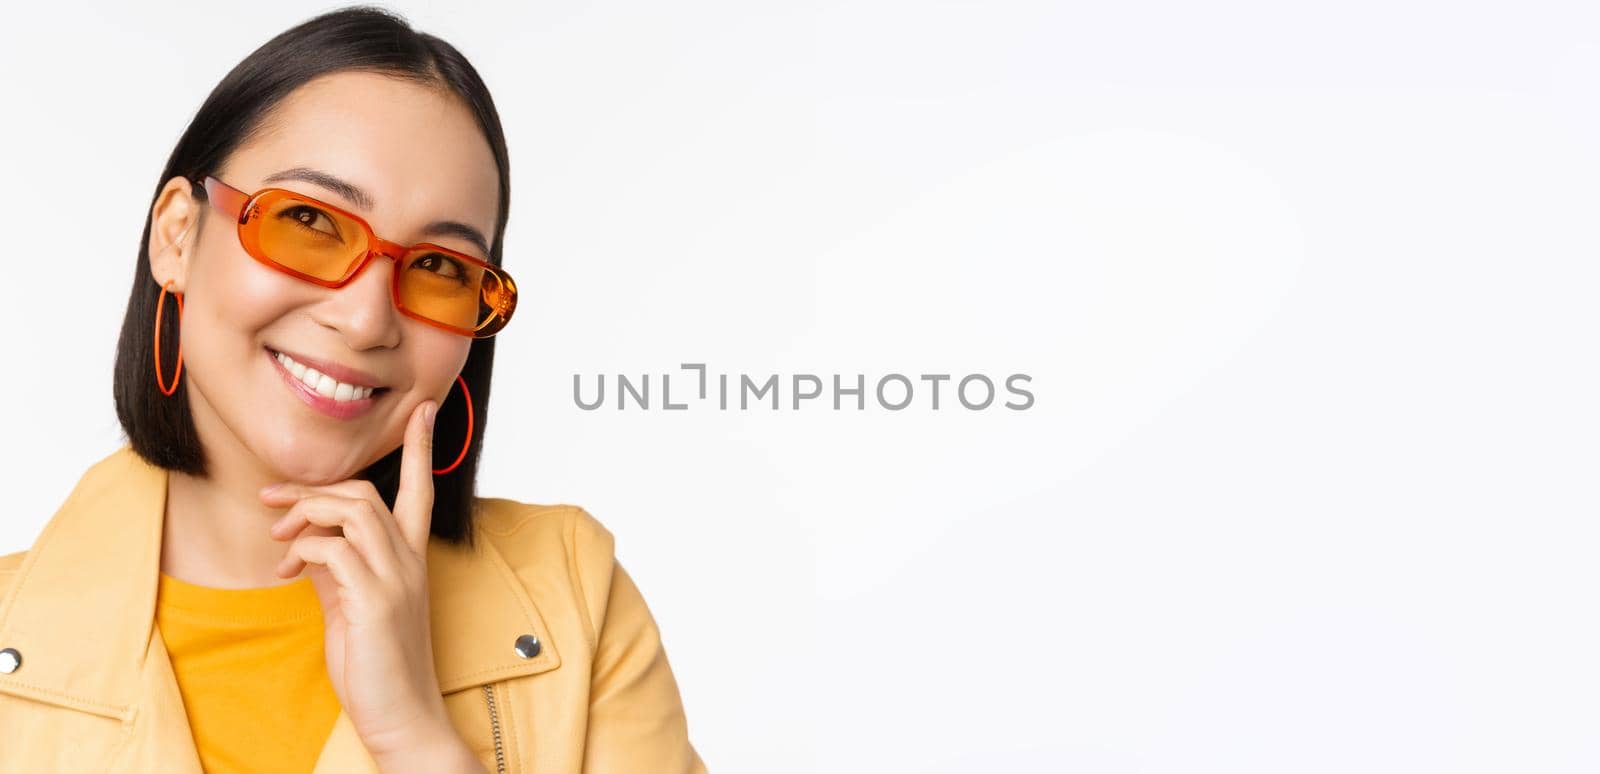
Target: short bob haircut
{"x": 161, "y": 428}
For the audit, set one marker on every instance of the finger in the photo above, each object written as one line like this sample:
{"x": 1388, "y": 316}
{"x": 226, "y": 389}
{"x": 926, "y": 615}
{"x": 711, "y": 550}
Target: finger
{"x": 288, "y": 493}
{"x": 341, "y": 559}
{"x": 373, "y": 534}
{"x": 413, "y": 503}
{"x": 285, "y": 494}
{"x": 360, "y": 490}
{"x": 289, "y": 566}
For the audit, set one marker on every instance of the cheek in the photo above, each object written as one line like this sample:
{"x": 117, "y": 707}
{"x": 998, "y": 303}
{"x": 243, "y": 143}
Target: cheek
{"x": 439, "y": 358}
{"x": 232, "y": 294}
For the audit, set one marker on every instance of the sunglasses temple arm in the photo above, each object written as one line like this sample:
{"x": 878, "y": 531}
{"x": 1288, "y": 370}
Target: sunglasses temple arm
{"x": 227, "y": 199}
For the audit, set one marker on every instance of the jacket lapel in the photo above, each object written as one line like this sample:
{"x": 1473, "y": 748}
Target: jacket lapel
{"x": 83, "y": 604}
{"x": 82, "y": 613}
{"x": 162, "y": 739}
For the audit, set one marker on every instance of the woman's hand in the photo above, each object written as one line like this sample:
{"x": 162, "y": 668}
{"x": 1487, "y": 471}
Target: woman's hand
{"x": 369, "y": 569}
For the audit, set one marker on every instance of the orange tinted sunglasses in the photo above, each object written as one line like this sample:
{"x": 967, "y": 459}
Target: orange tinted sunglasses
{"x": 323, "y": 244}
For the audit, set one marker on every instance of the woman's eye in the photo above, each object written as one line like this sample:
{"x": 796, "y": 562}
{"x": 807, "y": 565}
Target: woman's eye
{"x": 311, "y": 218}
{"x": 443, "y": 265}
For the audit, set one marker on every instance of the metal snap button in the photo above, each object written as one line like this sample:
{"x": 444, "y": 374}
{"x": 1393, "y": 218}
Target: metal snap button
{"x": 528, "y": 646}
{"x": 11, "y": 660}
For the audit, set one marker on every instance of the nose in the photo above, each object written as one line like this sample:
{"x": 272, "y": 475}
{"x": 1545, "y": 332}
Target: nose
{"x": 363, "y": 310}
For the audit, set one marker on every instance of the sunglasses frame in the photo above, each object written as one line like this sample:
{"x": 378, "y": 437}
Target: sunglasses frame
{"x": 244, "y": 207}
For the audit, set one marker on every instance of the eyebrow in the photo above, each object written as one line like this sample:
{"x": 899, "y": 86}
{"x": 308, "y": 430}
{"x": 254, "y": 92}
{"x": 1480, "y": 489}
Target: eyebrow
{"x": 363, "y": 201}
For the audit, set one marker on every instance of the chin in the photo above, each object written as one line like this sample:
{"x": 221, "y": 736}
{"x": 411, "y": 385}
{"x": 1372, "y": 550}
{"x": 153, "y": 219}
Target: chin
{"x": 314, "y": 463}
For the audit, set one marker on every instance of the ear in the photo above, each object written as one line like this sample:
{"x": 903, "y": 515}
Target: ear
{"x": 174, "y": 228}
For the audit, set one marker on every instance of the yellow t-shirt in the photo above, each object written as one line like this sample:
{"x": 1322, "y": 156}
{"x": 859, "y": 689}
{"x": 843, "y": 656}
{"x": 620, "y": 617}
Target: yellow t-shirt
{"x": 250, "y": 667}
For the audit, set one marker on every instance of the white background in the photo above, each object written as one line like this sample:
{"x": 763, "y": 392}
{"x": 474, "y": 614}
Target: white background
{"x": 1307, "y": 293}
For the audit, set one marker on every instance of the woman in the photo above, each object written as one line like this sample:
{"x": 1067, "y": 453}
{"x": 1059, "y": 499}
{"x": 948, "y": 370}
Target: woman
{"x": 285, "y": 568}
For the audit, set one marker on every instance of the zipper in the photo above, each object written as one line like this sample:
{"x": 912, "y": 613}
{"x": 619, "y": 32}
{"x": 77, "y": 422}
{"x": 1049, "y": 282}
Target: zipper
{"x": 494, "y": 725}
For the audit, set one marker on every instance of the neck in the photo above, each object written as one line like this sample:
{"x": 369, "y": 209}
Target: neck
{"x": 215, "y": 528}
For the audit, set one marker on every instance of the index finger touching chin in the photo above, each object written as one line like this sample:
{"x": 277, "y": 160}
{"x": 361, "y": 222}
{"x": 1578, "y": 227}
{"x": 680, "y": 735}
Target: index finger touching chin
{"x": 413, "y": 503}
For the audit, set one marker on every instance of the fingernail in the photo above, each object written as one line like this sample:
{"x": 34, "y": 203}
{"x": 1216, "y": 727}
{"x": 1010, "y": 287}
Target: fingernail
{"x": 268, "y": 489}
{"x": 427, "y": 415}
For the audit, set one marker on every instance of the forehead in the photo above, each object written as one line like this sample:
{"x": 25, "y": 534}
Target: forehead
{"x": 415, "y": 150}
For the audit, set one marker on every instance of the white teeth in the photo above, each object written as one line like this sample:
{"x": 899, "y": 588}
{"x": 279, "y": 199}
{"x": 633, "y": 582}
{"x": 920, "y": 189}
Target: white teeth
{"x": 323, "y": 384}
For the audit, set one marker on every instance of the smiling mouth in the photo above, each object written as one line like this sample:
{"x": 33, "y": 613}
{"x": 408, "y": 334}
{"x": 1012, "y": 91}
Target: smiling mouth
{"x": 323, "y": 384}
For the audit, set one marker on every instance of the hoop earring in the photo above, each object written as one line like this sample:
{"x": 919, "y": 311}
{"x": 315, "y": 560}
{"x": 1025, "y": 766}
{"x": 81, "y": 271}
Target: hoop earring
{"x": 160, "y": 302}
{"x": 463, "y": 455}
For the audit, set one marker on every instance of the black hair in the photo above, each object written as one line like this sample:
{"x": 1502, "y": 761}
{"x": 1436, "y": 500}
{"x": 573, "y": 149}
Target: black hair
{"x": 160, "y": 428}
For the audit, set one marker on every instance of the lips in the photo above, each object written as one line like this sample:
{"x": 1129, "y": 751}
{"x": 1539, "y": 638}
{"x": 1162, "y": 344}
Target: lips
{"x": 343, "y": 373}
{"x": 322, "y": 404}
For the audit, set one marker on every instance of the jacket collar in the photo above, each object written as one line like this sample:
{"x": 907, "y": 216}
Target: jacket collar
{"x": 82, "y": 608}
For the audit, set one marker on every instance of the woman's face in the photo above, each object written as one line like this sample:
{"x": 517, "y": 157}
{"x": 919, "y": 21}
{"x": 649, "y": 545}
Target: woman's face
{"x": 418, "y": 156}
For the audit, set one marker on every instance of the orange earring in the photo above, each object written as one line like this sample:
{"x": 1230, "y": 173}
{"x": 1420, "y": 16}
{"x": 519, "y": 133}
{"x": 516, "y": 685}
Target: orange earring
{"x": 463, "y": 455}
{"x": 178, "y": 373}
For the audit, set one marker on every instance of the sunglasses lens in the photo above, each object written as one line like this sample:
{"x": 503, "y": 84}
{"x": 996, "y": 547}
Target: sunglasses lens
{"x": 455, "y": 292}
{"x": 310, "y": 239}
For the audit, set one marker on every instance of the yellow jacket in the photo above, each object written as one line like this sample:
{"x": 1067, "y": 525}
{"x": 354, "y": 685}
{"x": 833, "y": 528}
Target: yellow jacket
{"x": 94, "y": 689}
